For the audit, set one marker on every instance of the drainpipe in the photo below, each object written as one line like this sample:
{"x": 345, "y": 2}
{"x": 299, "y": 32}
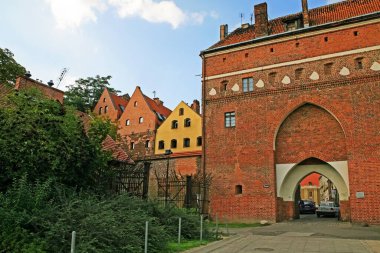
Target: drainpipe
{"x": 203, "y": 167}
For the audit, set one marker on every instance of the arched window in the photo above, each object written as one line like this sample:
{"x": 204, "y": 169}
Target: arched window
{"x": 104, "y": 99}
{"x": 135, "y": 104}
{"x": 106, "y": 109}
{"x": 141, "y": 120}
{"x": 186, "y": 142}
{"x": 223, "y": 86}
{"x": 174, "y": 124}
{"x": 100, "y": 110}
{"x": 181, "y": 111}
{"x": 147, "y": 144}
{"x": 127, "y": 122}
{"x": 173, "y": 144}
{"x": 199, "y": 141}
{"x": 161, "y": 145}
{"x": 132, "y": 145}
{"x": 187, "y": 122}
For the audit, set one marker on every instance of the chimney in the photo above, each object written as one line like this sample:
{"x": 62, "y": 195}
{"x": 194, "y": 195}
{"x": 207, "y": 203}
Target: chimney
{"x": 158, "y": 101}
{"x": 305, "y": 13}
{"x": 223, "y": 31}
{"x": 195, "y": 106}
{"x": 261, "y": 20}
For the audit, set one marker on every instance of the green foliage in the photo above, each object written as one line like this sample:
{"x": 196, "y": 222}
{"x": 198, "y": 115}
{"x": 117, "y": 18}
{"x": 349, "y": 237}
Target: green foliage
{"x": 9, "y": 68}
{"x": 85, "y": 93}
{"x": 40, "y": 218}
{"x": 100, "y": 128}
{"x": 46, "y": 140}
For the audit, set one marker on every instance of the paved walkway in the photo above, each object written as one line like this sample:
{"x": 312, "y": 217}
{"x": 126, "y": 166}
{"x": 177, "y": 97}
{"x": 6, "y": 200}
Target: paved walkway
{"x": 304, "y": 235}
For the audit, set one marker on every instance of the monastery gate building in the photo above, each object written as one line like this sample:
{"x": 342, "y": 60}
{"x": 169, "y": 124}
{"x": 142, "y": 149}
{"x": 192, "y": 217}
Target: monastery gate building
{"x": 287, "y": 97}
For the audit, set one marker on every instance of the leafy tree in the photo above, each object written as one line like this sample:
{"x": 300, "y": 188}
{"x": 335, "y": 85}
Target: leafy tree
{"x": 9, "y": 68}
{"x": 41, "y": 137}
{"x": 85, "y": 93}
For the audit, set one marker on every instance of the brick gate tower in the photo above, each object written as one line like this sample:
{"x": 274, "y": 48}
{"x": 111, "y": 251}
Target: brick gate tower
{"x": 292, "y": 96}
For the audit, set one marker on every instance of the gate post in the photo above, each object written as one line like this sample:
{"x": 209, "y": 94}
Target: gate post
{"x": 146, "y": 180}
{"x": 189, "y": 194}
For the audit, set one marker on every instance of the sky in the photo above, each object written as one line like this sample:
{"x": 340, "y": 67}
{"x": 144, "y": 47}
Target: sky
{"x": 154, "y": 44}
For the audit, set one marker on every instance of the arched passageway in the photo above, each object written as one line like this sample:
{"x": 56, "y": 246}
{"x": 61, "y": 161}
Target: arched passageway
{"x": 307, "y": 132}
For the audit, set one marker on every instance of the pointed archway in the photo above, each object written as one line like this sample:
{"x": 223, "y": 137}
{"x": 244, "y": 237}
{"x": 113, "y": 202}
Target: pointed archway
{"x": 308, "y": 132}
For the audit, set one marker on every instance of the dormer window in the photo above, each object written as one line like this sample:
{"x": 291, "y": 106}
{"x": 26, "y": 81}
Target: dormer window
{"x": 291, "y": 25}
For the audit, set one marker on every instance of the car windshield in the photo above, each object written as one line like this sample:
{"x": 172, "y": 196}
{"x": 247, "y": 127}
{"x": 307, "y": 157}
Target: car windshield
{"x": 331, "y": 204}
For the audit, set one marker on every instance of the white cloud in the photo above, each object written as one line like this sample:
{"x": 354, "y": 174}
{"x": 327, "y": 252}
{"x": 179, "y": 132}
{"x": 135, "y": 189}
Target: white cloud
{"x": 155, "y": 12}
{"x": 333, "y": 1}
{"x": 73, "y": 13}
{"x": 158, "y": 12}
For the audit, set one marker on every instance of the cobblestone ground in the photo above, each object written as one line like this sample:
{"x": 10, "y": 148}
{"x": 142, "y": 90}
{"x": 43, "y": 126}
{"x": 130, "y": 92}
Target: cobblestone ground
{"x": 309, "y": 234}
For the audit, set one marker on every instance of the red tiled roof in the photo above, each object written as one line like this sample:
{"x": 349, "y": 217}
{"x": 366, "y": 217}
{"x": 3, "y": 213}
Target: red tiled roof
{"x": 117, "y": 152}
{"x": 313, "y": 178}
{"x": 118, "y": 100}
{"x": 318, "y": 16}
{"x": 161, "y": 109}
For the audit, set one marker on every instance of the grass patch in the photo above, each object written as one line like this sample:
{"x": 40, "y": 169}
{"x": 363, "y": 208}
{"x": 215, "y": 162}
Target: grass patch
{"x": 185, "y": 245}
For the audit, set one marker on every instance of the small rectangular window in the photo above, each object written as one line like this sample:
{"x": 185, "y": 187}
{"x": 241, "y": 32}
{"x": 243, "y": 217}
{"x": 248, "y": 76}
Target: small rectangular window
{"x": 327, "y": 68}
{"x": 359, "y": 63}
{"x": 272, "y": 77}
{"x": 298, "y": 73}
{"x": 229, "y": 119}
{"x": 186, "y": 142}
{"x": 247, "y": 84}
{"x": 238, "y": 189}
{"x": 132, "y": 145}
{"x": 199, "y": 141}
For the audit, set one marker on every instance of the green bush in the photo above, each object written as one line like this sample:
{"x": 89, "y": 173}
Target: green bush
{"x": 40, "y": 217}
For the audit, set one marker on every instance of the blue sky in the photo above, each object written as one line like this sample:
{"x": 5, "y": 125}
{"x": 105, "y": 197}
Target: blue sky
{"x": 151, "y": 43}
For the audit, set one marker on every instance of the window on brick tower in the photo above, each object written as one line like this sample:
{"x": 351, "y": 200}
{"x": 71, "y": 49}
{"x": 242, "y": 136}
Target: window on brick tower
{"x": 359, "y": 63}
{"x": 147, "y": 144}
{"x": 298, "y": 73}
{"x": 132, "y": 145}
{"x": 224, "y": 86}
{"x": 229, "y": 119}
{"x": 106, "y": 109}
{"x": 141, "y": 120}
{"x": 199, "y": 141}
{"x": 187, "y": 122}
{"x": 161, "y": 145}
{"x": 272, "y": 77}
{"x": 248, "y": 84}
{"x": 127, "y": 122}
{"x": 100, "y": 110}
{"x": 238, "y": 189}
{"x": 104, "y": 99}
{"x": 186, "y": 142}
{"x": 173, "y": 143}
{"x": 174, "y": 124}
{"x": 327, "y": 68}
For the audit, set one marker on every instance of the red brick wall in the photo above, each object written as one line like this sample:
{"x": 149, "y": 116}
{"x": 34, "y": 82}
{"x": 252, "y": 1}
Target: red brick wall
{"x": 312, "y": 46}
{"x": 50, "y": 92}
{"x": 136, "y": 132}
{"x": 112, "y": 113}
{"x": 303, "y": 132}
{"x": 339, "y": 117}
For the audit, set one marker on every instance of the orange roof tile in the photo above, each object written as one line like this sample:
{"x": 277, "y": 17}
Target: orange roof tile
{"x": 318, "y": 16}
{"x": 117, "y": 152}
{"x": 118, "y": 101}
{"x": 161, "y": 109}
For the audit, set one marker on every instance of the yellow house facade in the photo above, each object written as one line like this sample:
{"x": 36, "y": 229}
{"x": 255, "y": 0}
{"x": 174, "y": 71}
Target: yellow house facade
{"x": 181, "y": 132}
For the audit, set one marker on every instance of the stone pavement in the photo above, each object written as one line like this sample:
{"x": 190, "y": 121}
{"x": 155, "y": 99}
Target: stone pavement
{"x": 304, "y": 235}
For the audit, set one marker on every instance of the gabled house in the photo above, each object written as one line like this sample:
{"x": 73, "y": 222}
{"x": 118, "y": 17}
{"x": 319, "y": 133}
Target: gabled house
{"x": 110, "y": 105}
{"x": 138, "y": 124}
{"x": 181, "y": 132}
